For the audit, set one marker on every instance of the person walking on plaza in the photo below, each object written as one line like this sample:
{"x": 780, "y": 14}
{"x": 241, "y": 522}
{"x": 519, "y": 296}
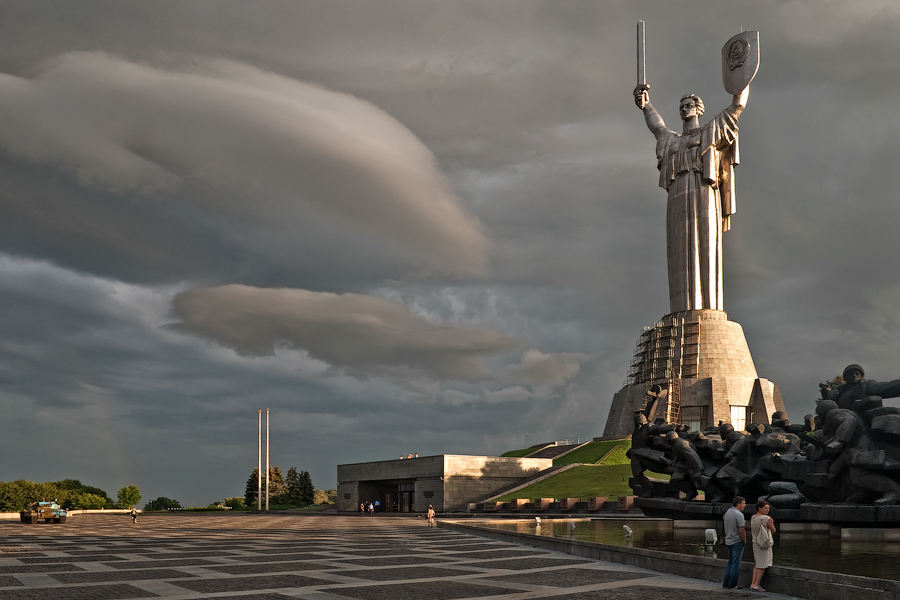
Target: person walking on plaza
{"x": 430, "y": 516}
{"x": 133, "y": 514}
{"x": 762, "y": 526}
{"x": 362, "y": 509}
{"x": 735, "y": 539}
{"x": 371, "y": 509}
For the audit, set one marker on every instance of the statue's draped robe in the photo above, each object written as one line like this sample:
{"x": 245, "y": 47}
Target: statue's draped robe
{"x": 697, "y": 168}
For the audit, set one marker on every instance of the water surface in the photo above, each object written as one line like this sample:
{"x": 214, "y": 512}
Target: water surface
{"x": 817, "y": 551}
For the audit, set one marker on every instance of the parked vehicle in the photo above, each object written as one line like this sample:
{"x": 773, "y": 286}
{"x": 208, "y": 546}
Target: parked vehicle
{"x": 48, "y": 511}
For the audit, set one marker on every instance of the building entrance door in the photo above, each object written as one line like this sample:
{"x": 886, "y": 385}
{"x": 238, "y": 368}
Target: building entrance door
{"x": 406, "y": 493}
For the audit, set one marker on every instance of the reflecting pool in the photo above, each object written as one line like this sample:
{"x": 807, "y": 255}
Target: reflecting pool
{"x": 817, "y": 551}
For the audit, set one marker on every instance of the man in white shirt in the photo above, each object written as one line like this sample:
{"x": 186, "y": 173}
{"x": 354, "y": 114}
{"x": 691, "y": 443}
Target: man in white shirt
{"x": 735, "y": 539}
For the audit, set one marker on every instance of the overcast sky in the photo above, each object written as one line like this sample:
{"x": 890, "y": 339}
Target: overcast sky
{"x": 406, "y": 226}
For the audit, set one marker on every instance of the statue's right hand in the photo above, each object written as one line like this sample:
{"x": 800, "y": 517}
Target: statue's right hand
{"x": 641, "y": 95}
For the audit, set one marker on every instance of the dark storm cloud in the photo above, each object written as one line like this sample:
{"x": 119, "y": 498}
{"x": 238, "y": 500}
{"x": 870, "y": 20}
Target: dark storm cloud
{"x": 270, "y": 159}
{"x": 518, "y": 113}
{"x": 349, "y": 330}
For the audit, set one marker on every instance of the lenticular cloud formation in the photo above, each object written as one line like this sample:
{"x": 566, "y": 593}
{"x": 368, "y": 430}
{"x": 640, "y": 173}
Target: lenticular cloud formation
{"x": 245, "y": 149}
{"x": 349, "y": 330}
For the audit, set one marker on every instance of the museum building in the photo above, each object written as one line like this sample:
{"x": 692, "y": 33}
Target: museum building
{"x": 447, "y": 481}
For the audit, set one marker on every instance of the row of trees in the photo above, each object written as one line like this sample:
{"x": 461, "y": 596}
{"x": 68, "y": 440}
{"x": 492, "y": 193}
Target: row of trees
{"x": 162, "y": 503}
{"x": 70, "y": 493}
{"x": 294, "y": 490}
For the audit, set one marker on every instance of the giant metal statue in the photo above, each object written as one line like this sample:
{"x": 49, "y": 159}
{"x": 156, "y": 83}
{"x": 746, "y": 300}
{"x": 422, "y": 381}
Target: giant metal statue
{"x": 696, "y": 168}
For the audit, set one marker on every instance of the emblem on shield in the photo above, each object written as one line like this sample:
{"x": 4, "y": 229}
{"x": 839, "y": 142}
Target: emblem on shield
{"x": 740, "y": 61}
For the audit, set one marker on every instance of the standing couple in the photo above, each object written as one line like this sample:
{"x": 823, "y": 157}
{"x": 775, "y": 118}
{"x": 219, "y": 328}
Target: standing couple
{"x": 762, "y": 526}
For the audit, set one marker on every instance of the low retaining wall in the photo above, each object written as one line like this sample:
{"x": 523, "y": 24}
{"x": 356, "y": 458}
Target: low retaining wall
{"x": 803, "y": 583}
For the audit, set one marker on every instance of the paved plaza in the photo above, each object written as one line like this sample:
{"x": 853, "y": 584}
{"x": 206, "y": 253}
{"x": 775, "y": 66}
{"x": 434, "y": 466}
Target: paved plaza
{"x": 278, "y": 557}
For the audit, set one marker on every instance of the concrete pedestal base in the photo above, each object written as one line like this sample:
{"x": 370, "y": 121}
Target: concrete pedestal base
{"x": 707, "y": 354}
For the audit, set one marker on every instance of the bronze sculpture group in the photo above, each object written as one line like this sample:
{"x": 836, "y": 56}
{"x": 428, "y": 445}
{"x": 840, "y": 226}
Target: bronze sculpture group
{"x": 848, "y": 451}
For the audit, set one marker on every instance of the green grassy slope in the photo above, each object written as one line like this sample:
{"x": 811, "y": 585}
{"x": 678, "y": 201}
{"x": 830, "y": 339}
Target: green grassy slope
{"x": 595, "y": 451}
{"x": 582, "y": 482}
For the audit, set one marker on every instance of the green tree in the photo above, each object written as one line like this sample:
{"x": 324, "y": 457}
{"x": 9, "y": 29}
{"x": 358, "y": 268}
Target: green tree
{"x": 320, "y": 497}
{"x": 250, "y": 492}
{"x": 89, "y": 501}
{"x": 332, "y": 495}
{"x": 129, "y": 496}
{"x": 292, "y": 484}
{"x": 307, "y": 491}
{"x": 234, "y": 503}
{"x": 162, "y": 503}
{"x": 277, "y": 489}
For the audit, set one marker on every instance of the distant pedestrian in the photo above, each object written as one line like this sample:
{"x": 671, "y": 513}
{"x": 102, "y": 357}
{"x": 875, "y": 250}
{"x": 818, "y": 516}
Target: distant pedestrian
{"x": 409, "y": 455}
{"x": 362, "y": 509}
{"x": 133, "y": 514}
{"x": 430, "y": 516}
{"x": 735, "y": 539}
{"x": 762, "y": 526}
{"x": 371, "y": 509}
{"x": 417, "y": 455}
{"x": 377, "y": 504}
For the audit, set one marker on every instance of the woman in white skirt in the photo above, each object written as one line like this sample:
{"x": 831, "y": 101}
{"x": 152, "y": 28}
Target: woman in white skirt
{"x": 762, "y": 526}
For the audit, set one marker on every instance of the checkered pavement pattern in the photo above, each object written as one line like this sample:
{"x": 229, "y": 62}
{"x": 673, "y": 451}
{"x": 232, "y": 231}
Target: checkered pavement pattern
{"x": 280, "y": 557}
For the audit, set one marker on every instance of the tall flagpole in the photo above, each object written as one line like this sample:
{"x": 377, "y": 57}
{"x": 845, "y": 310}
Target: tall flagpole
{"x": 259, "y": 465}
{"x": 267, "y": 459}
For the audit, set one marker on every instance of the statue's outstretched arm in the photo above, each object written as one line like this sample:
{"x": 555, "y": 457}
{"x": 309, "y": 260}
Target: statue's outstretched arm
{"x": 655, "y": 122}
{"x": 740, "y": 101}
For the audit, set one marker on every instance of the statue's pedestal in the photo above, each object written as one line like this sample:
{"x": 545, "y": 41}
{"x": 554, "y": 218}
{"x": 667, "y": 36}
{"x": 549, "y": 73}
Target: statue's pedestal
{"x": 702, "y": 358}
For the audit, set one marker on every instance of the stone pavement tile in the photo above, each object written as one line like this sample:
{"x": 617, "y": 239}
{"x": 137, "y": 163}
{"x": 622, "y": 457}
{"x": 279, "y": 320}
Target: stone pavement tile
{"x": 146, "y": 564}
{"x": 39, "y": 568}
{"x": 518, "y": 564}
{"x": 573, "y": 577}
{"x": 255, "y": 597}
{"x": 390, "y": 561}
{"x": 71, "y": 559}
{"x": 22, "y": 554}
{"x": 639, "y": 592}
{"x": 424, "y": 590}
{"x": 278, "y": 567}
{"x": 500, "y": 553}
{"x": 9, "y": 581}
{"x": 90, "y": 592}
{"x": 286, "y": 549}
{"x": 279, "y": 557}
{"x": 36, "y": 579}
{"x": 240, "y": 584}
{"x": 403, "y": 573}
{"x": 380, "y": 552}
{"x": 109, "y": 550}
{"x": 200, "y": 554}
{"x": 101, "y": 576}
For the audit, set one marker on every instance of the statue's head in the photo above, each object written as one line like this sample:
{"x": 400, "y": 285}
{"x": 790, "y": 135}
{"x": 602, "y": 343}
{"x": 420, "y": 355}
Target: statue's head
{"x": 690, "y": 106}
{"x": 639, "y": 418}
{"x": 780, "y": 419}
{"x": 671, "y": 436}
{"x": 854, "y": 374}
{"x": 825, "y": 406}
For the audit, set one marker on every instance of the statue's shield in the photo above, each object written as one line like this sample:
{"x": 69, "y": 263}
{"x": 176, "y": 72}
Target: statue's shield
{"x": 740, "y": 61}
